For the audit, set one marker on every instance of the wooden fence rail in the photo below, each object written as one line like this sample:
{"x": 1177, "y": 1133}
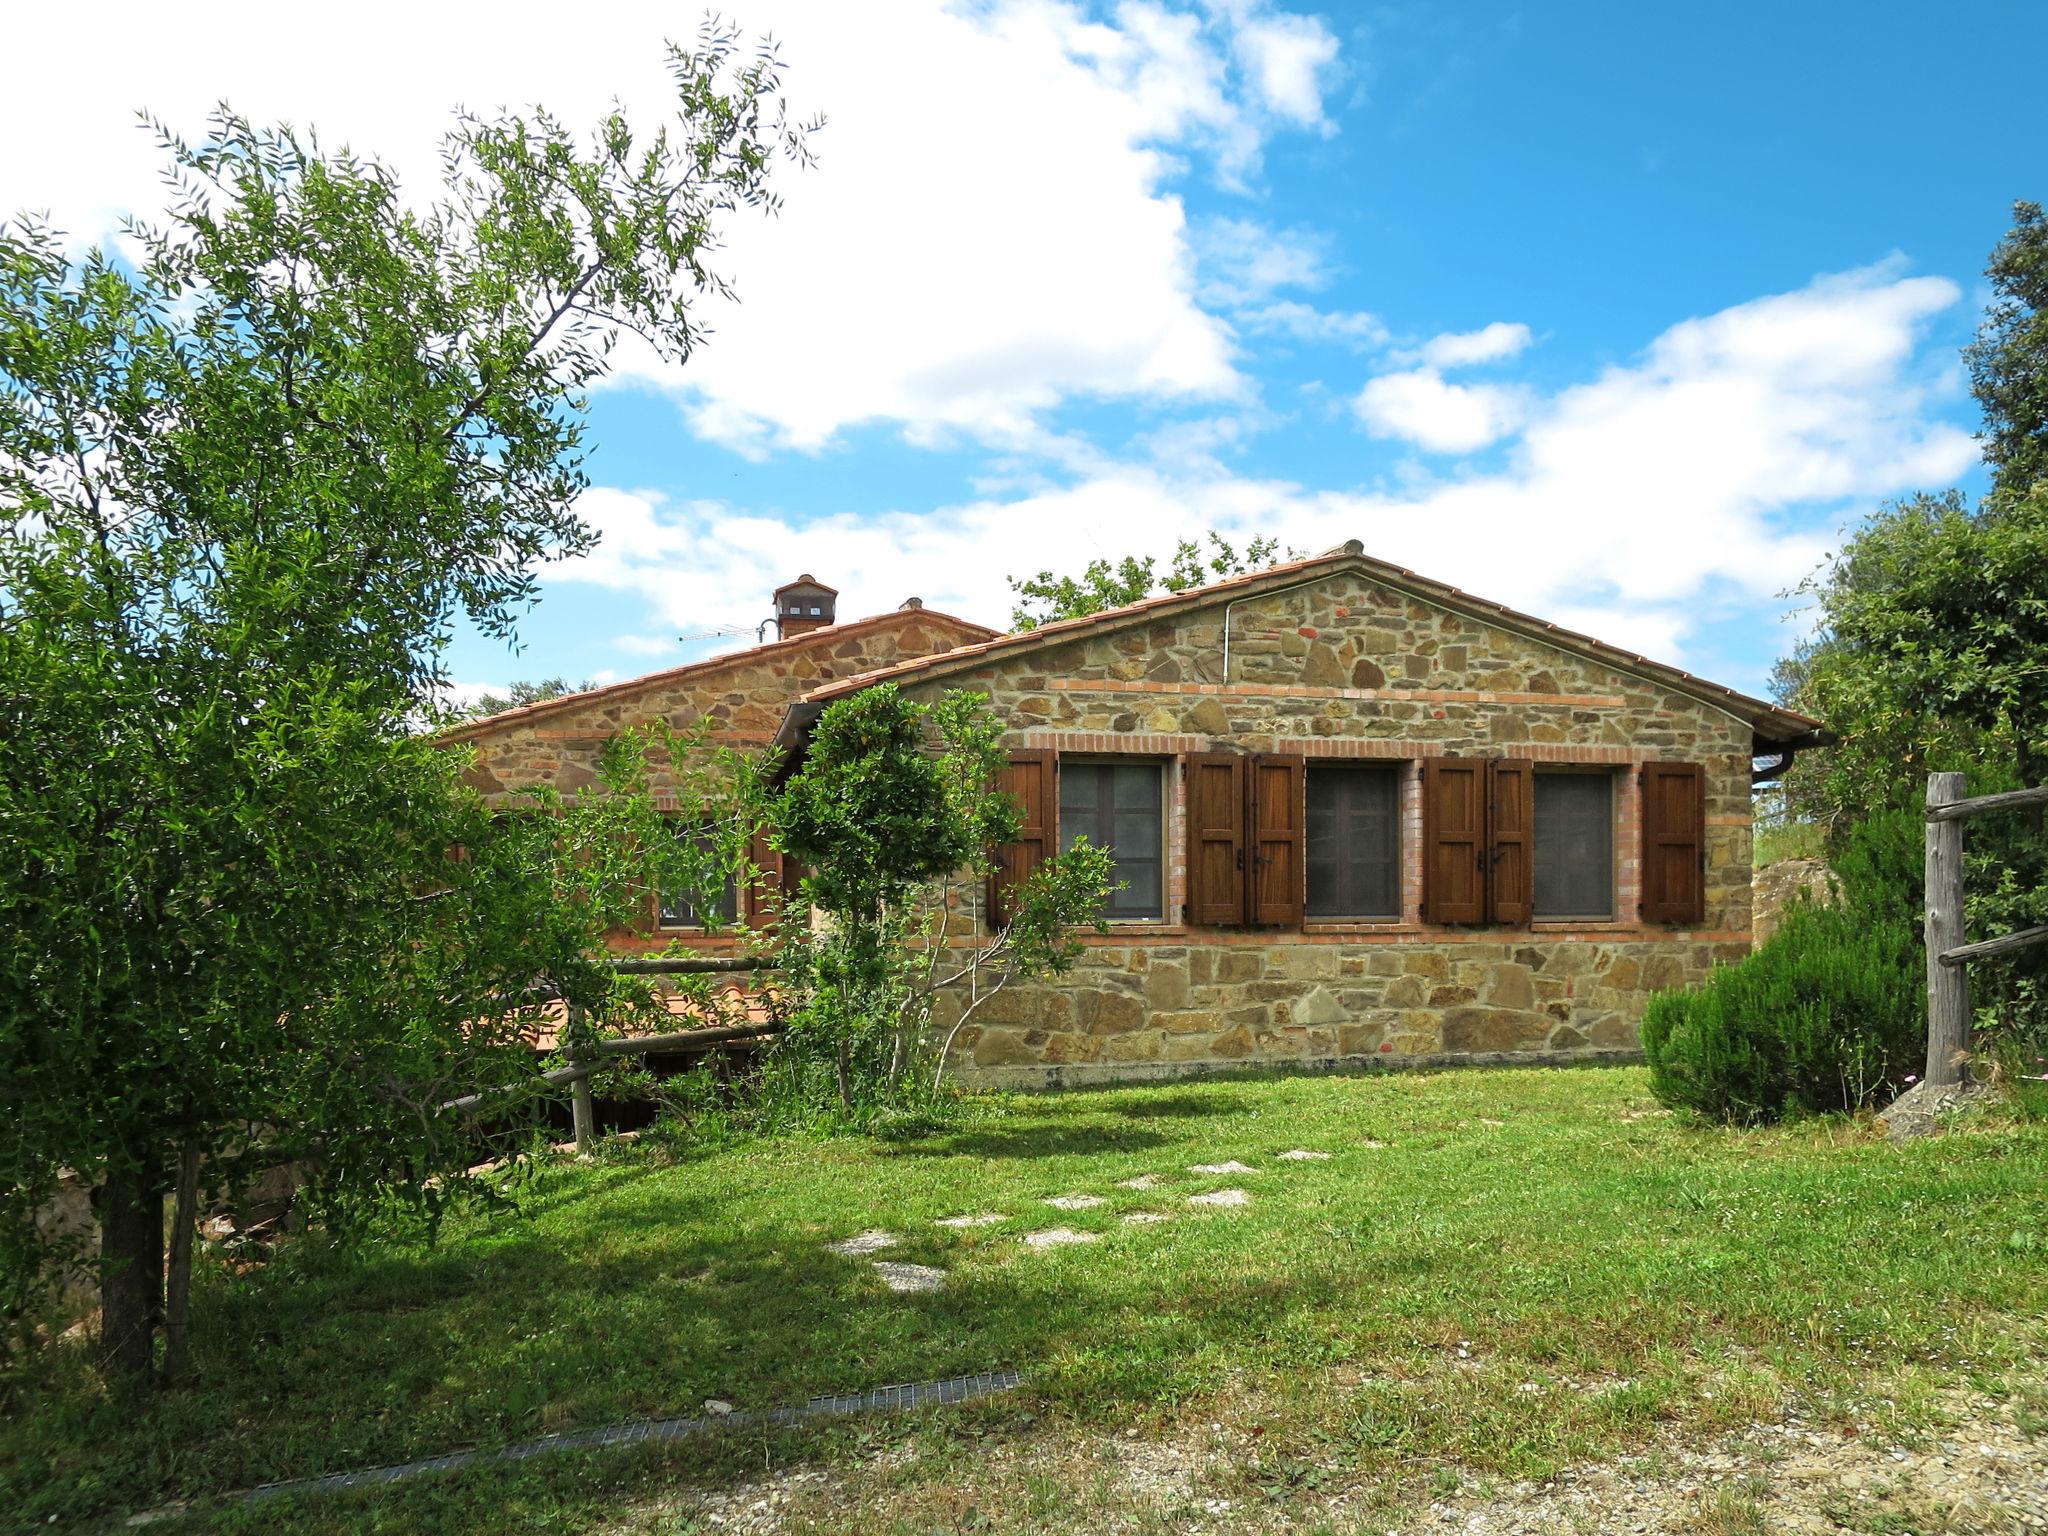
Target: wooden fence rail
{"x": 582, "y": 1051}
{"x": 1948, "y": 983}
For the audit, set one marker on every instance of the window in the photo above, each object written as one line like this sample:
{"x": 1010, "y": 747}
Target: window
{"x": 1118, "y": 806}
{"x": 1354, "y": 841}
{"x": 679, "y": 910}
{"x": 1574, "y": 845}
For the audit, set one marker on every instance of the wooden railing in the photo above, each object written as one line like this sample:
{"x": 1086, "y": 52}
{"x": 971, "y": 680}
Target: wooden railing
{"x": 584, "y": 1054}
{"x": 1948, "y": 983}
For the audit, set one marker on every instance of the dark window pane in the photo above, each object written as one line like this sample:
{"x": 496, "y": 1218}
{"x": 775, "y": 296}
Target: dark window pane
{"x": 1574, "y": 845}
{"x": 678, "y": 910}
{"x": 1118, "y": 806}
{"x": 1354, "y": 844}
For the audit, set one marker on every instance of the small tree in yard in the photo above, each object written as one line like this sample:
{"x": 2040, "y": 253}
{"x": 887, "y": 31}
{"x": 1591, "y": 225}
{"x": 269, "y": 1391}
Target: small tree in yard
{"x": 894, "y": 803}
{"x": 246, "y": 485}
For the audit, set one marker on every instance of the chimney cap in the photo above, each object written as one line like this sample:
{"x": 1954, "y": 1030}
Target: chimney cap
{"x": 806, "y": 580}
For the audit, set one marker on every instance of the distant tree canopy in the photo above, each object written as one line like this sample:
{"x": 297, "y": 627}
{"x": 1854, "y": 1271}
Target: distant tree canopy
{"x": 248, "y": 480}
{"x": 2009, "y": 360}
{"x": 1929, "y": 651}
{"x": 1934, "y": 616}
{"x": 518, "y": 696}
{"x": 1045, "y": 597}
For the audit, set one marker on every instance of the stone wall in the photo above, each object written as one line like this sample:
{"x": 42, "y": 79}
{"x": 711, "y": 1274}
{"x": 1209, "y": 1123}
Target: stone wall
{"x": 1352, "y": 668}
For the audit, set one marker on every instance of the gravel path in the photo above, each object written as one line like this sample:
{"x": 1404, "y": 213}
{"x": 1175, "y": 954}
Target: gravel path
{"x": 1986, "y": 1476}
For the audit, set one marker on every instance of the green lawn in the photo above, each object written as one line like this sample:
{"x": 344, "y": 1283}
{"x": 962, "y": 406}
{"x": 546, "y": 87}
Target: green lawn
{"x": 1492, "y": 1271}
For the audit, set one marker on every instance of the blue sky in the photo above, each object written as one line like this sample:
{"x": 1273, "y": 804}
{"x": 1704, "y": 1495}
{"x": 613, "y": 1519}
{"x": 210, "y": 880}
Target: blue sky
{"x": 1618, "y": 313}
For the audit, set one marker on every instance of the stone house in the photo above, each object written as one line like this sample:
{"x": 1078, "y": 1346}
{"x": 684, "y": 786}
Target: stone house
{"x": 1358, "y": 815}
{"x": 741, "y": 698}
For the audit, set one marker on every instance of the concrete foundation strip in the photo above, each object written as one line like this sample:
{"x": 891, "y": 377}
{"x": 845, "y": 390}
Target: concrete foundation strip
{"x": 917, "y": 1394}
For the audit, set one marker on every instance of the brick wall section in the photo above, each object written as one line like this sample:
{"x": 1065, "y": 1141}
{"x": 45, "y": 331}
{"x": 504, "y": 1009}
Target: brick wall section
{"x": 1353, "y": 668}
{"x": 743, "y": 696}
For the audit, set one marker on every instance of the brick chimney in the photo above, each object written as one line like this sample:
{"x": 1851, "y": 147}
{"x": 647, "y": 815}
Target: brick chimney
{"x": 803, "y": 605}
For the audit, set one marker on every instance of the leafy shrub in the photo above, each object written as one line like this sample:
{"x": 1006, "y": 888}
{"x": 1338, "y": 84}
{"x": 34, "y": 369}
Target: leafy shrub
{"x": 1829, "y": 1015}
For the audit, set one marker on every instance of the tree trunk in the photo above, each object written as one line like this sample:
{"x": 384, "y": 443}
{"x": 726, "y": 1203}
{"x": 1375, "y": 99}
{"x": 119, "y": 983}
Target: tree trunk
{"x": 845, "y": 1077}
{"x": 899, "y": 1055}
{"x": 132, "y": 1282}
{"x": 178, "y": 1285}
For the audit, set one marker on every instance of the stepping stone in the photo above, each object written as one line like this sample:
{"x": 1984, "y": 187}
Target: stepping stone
{"x": 1299, "y": 1156}
{"x": 1221, "y": 1197}
{"x": 1057, "y": 1236}
{"x": 986, "y": 1219}
{"x": 1142, "y": 1181}
{"x": 862, "y": 1244}
{"x": 909, "y": 1277}
{"x": 1143, "y": 1218}
{"x": 1233, "y": 1166}
{"x": 1075, "y": 1202}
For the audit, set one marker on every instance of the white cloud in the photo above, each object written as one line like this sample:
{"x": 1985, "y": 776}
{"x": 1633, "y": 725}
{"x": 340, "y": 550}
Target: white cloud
{"x": 1721, "y": 462}
{"x": 1423, "y": 408}
{"x": 991, "y": 229}
{"x": 1459, "y": 349}
{"x": 1243, "y": 261}
{"x": 1355, "y": 329}
{"x": 1288, "y": 58}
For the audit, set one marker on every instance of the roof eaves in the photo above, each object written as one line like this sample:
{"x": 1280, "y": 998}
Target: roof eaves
{"x": 1758, "y": 713}
{"x": 833, "y": 632}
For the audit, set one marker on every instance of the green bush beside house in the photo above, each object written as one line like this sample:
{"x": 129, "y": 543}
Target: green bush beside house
{"x": 1828, "y": 1015}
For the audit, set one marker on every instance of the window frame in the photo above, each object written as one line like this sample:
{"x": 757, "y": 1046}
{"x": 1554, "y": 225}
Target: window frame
{"x": 1158, "y": 767}
{"x": 1610, "y": 777}
{"x": 731, "y": 897}
{"x": 1392, "y": 770}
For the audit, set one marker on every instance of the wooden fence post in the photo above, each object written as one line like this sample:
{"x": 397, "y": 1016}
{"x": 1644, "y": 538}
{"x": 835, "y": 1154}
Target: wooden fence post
{"x": 581, "y": 1107}
{"x": 1948, "y": 986}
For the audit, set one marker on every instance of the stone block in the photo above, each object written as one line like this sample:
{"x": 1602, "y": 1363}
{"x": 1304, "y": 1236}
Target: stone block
{"x": 1318, "y": 1007}
{"x": 1234, "y": 1044}
{"x": 1508, "y": 986}
{"x": 1189, "y": 1022}
{"x": 1109, "y": 1013}
{"x": 1166, "y": 986}
{"x": 1494, "y": 1029}
{"x": 1068, "y": 1046}
{"x": 1003, "y": 1048}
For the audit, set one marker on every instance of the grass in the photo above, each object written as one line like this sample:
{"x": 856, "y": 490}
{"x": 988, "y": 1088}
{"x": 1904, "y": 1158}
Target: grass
{"x": 1493, "y": 1274}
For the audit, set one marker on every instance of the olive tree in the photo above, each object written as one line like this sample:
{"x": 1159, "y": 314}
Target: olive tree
{"x": 249, "y": 479}
{"x": 894, "y": 812}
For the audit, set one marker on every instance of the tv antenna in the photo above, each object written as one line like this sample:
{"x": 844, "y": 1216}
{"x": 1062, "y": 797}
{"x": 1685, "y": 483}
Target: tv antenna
{"x": 730, "y": 632}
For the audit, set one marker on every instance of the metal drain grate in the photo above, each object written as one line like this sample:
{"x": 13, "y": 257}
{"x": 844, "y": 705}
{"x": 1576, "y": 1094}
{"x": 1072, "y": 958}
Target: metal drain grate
{"x": 916, "y": 1394}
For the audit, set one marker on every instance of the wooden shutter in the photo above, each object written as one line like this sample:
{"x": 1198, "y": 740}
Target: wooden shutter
{"x": 1453, "y": 840}
{"x": 1216, "y": 856}
{"x": 1674, "y": 874}
{"x": 763, "y": 896}
{"x": 1028, "y": 778}
{"x": 1510, "y": 823}
{"x": 1275, "y": 881}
